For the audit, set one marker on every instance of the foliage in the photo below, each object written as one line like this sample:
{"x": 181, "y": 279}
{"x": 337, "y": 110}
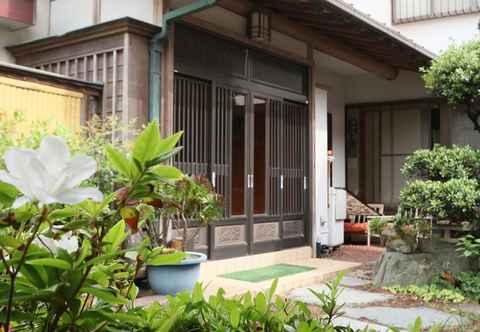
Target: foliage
{"x": 377, "y": 225}
{"x": 264, "y": 311}
{"x": 455, "y": 75}
{"x": 64, "y": 266}
{"x": 430, "y": 293}
{"x": 455, "y": 200}
{"x": 191, "y": 202}
{"x": 443, "y": 164}
{"x": 469, "y": 246}
{"x": 468, "y": 283}
{"x": 91, "y": 140}
{"x": 449, "y": 288}
{"x": 443, "y": 183}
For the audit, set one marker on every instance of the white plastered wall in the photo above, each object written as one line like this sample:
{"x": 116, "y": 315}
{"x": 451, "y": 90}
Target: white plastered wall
{"x": 435, "y": 34}
{"x": 39, "y": 30}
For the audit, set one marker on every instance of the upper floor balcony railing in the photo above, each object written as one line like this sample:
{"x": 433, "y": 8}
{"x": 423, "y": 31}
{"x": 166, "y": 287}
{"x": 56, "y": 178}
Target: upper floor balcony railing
{"x": 404, "y": 11}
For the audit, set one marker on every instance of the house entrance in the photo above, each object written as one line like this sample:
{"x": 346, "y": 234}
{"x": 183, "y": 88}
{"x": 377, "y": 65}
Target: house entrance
{"x": 244, "y": 115}
{"x": 253, "y": 148}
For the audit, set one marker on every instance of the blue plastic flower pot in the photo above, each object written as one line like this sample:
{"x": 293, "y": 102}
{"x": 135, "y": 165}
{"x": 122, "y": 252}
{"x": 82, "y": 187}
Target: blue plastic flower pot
{"x": 172, "y": 279}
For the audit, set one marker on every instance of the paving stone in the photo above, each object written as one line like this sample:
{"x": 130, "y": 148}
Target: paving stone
{"x": 469, "y": 308}
{"x": 352, "y": 281}
{"x": 348, "y": 296}
{"x": 359, "y": 325}
{"x": 404, "y": 317}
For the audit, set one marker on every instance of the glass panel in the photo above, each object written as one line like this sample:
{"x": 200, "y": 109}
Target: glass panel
{"x": 238, "y": 154}
{"x": 259, "y": 155}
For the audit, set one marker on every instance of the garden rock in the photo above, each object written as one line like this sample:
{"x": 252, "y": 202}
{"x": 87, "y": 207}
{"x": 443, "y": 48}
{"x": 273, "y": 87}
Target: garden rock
{"x": 395, "y": 268}
{"x": 398, "y": 243}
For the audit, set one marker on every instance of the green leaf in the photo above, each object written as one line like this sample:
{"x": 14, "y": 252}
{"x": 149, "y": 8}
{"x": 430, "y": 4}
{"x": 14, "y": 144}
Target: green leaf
{"x": 162, "y": 259}
{"x": 8, "y": 193}
{"x": 51, "y": 262}
{"x": 235, "y": 317}
{"x": 9, "y": 242}
{"x": 168, "y": 323}
{"x": 146, "y": 146}
{"x": 120, "y": 162}
{"x": 272, "y": 290}
{"x": 132, "y": 294}
{"x": 34, "y": 275}
{"x": 106, "y": 257}
{"x": 116, "y": 235}
{"x": 105, "y": 295}
{"x": 168, "y": 143}
{"x": 67, "y": 212}
{"x": 261, "y": 303}
{"x": 168, "y": 172}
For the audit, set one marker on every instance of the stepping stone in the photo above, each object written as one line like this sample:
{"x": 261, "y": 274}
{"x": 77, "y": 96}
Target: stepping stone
{"x": 352, "y": 281}
{"x": 405, "y": 317}
{"x": 470, "y": 308}
{"x": 359, "y": 325}
{"x": 348, "y": 296}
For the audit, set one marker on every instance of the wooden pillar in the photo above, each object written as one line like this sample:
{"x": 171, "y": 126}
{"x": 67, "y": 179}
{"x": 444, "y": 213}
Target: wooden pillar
{"x": 166, "y": 125}
{"x": 311, "y": 148}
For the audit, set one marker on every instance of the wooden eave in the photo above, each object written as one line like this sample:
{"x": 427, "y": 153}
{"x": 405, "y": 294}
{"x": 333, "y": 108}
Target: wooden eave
{"x": 122, "y": 25}
{"x": 344, "y": 24}
{"x": 34, "y": 75}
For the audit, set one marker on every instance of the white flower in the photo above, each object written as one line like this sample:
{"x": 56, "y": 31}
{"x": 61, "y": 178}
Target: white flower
{"x": 48, "y": 175}
{"x": 68, "y": 242}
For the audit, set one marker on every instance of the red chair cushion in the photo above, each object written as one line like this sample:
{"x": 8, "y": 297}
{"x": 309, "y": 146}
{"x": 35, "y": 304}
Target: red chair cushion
{"x": 356, "y": 228}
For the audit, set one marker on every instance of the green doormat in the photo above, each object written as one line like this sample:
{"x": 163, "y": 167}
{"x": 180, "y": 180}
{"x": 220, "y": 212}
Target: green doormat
{"x": 266, "y": 273}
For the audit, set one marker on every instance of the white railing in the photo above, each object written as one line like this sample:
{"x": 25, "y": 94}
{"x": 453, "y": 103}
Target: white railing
{"x": 414, "y": 10}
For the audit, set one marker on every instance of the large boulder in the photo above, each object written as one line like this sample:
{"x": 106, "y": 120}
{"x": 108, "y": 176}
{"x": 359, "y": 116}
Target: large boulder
{"x": 435, "y": 257}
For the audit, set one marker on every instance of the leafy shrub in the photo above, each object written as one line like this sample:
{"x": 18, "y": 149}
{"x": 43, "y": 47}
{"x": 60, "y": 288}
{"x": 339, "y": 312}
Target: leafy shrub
{"x": 443, "y": 183}
{"x": 63, "y": 264}
{"x": 430, "y": 293}
{"x": 455, "y": 199}
{"x": 455, "y": 75}
{"x": 469, "y": 284}
{"x": 443, "y": 164}
{"x": 377, "y": 225}
{"x": 469, "y": 246}
{"x": 264, "y": 311}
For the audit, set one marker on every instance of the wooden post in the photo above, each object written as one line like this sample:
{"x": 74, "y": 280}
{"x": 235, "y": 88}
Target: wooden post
{"x": 167, "y": 84}
{"x": 311, "y": 215}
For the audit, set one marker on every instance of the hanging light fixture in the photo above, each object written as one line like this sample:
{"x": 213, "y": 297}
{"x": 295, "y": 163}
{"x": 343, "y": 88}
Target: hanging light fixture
{"x": 260, "y": 26}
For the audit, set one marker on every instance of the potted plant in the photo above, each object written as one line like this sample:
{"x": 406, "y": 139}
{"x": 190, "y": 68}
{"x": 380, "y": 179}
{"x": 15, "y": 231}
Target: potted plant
{"x": 178, "y": 216}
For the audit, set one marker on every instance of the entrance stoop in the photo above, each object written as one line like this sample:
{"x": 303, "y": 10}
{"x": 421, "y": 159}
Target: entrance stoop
{"x": 211, "y": 271}
{"x": 324, "y": 269}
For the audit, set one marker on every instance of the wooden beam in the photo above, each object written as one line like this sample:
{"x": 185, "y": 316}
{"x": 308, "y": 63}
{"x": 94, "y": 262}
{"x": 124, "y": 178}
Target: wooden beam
{"x": 217, "y": 29}
{"x": 318, "y": 41}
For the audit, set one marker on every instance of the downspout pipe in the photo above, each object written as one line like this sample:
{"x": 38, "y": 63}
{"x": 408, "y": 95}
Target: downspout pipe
{"x": 155, "y": 52}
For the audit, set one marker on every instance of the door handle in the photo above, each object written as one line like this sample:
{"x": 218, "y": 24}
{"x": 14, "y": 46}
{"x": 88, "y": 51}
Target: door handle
{"x": 252, "y": 184}
{"x": 281, "y": 182}
{"x": 214, "y": 180}
{"x": 250, "y": 181}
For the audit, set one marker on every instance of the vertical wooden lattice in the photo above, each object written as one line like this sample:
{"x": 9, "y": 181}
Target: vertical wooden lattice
{"x": 192, "y": 114}
{"x": 295, "y": 158}
{"x": 105, "y": 66}
{"x": 222, "y": 143}
{"x": 276, "y": 157}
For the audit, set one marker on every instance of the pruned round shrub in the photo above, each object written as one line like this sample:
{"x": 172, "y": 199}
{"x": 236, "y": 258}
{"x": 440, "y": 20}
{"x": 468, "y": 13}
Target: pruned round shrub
{"x": 443, "y": 164}
{"x": 454, "y": 199}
